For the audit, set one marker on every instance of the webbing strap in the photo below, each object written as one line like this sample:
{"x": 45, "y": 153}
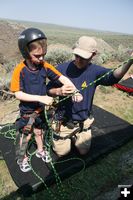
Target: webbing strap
{"x": 21, "y": 149}
{"x": 28, "y": 128}
{"x": 17, "y": 146}
{"x": 80, "y": 128}
{"x": 58, "y": 137}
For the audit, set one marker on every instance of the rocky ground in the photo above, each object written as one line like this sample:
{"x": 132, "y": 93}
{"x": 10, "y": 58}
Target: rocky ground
{"x": 8, "y": 111}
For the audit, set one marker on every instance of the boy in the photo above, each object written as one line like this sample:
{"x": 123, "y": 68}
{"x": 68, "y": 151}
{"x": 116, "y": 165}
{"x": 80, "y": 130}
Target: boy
{"x": 29, "y": 85}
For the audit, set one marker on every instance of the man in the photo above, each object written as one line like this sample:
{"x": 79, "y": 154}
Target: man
{"x": 74, "y": 120}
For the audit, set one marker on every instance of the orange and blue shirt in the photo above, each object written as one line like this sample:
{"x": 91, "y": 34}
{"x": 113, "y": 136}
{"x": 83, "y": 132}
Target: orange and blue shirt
{"x": 32, "y": 82}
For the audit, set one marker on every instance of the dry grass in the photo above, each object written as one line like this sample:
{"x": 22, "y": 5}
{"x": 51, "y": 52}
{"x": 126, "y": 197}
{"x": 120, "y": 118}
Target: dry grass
{"x": 116, "y": 102}
{"x": 6, "y": 183}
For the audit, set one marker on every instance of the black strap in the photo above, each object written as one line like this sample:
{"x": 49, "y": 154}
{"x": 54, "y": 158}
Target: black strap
{"x": 58, "y": 137}
{"x": 70, "y": 125}
{"x": 20, "y": 149}
{"x": 28, "y": 128}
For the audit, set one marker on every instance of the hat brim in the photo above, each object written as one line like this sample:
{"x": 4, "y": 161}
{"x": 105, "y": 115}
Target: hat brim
{"x": 82, "y": 53}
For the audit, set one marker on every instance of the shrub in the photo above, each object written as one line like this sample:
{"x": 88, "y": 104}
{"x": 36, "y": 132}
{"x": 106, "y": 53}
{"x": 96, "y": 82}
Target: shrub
{"x": 9, "y": 66}
{"x": 123, "y": 53}
{"x": 58, "y": 54}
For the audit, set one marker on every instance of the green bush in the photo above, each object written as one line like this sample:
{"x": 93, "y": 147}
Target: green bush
{"x": 10, "y": 66}
{"x": 5, "y": 82}
{"x": 56, "y": 56}
{"x": 123, "y": 53}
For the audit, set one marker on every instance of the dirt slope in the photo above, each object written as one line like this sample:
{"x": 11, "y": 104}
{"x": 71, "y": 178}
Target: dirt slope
{"x": 8, "y": 40}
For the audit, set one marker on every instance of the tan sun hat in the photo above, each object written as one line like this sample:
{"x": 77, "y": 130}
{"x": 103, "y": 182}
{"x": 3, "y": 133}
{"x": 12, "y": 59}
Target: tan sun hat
{"x": 85, "y": 47}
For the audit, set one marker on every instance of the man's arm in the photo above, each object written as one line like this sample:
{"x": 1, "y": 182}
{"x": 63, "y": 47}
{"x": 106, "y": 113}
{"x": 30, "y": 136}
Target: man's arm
{"x": 121, "y": 71}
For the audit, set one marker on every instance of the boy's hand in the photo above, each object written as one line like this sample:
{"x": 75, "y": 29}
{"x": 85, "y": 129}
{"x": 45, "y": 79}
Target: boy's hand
{"x": 46, "y": 100}
{"x": 66, "y": 90}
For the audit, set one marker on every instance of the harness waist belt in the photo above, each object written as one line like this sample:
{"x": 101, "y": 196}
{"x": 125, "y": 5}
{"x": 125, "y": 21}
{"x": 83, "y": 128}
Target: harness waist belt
{"x": 58, "y": 137}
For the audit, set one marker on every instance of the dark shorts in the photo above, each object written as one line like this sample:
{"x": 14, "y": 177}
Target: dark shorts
{"x": 39, "y": 123}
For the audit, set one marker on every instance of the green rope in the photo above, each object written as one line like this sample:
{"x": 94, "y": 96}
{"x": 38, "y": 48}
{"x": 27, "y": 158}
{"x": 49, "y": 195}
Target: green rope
{"x": 41, "y": 179}
{"x": 10, "y": 133}
{"x": 60, "y": 187}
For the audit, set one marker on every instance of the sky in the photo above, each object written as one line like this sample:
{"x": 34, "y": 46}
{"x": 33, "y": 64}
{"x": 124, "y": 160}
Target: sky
{"x": 105, "y": 15}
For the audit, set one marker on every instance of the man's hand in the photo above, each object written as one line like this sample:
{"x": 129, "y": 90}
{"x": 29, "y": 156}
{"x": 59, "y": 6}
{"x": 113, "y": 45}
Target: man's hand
{"x": 77, "y": 97}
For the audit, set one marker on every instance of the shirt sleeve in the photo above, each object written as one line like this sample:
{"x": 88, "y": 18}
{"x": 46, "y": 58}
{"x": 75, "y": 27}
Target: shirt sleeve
{"x": 106, "y": 76}
{"x": 15, "y": 80}
{"x": 52, "y": 72}
{"x": 54, "y": 84}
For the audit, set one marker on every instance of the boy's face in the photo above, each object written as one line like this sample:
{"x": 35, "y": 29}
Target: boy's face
{"x": 37, "y": 52}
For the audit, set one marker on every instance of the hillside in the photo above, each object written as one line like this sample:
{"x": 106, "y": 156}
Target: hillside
{"x": 9, "y": 31}
{"x": 8, "y": 40}
{"x": 68, "y": 35}
{"x": 58, "y": 36}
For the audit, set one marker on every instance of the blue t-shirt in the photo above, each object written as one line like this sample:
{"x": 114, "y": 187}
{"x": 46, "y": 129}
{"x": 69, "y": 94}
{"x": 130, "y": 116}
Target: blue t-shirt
{"x": 32, "y": 82}
{"x": 81, "y": 78}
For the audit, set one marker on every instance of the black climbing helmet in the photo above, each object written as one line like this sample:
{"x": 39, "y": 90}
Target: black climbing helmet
{"x": 27, "y": 36}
